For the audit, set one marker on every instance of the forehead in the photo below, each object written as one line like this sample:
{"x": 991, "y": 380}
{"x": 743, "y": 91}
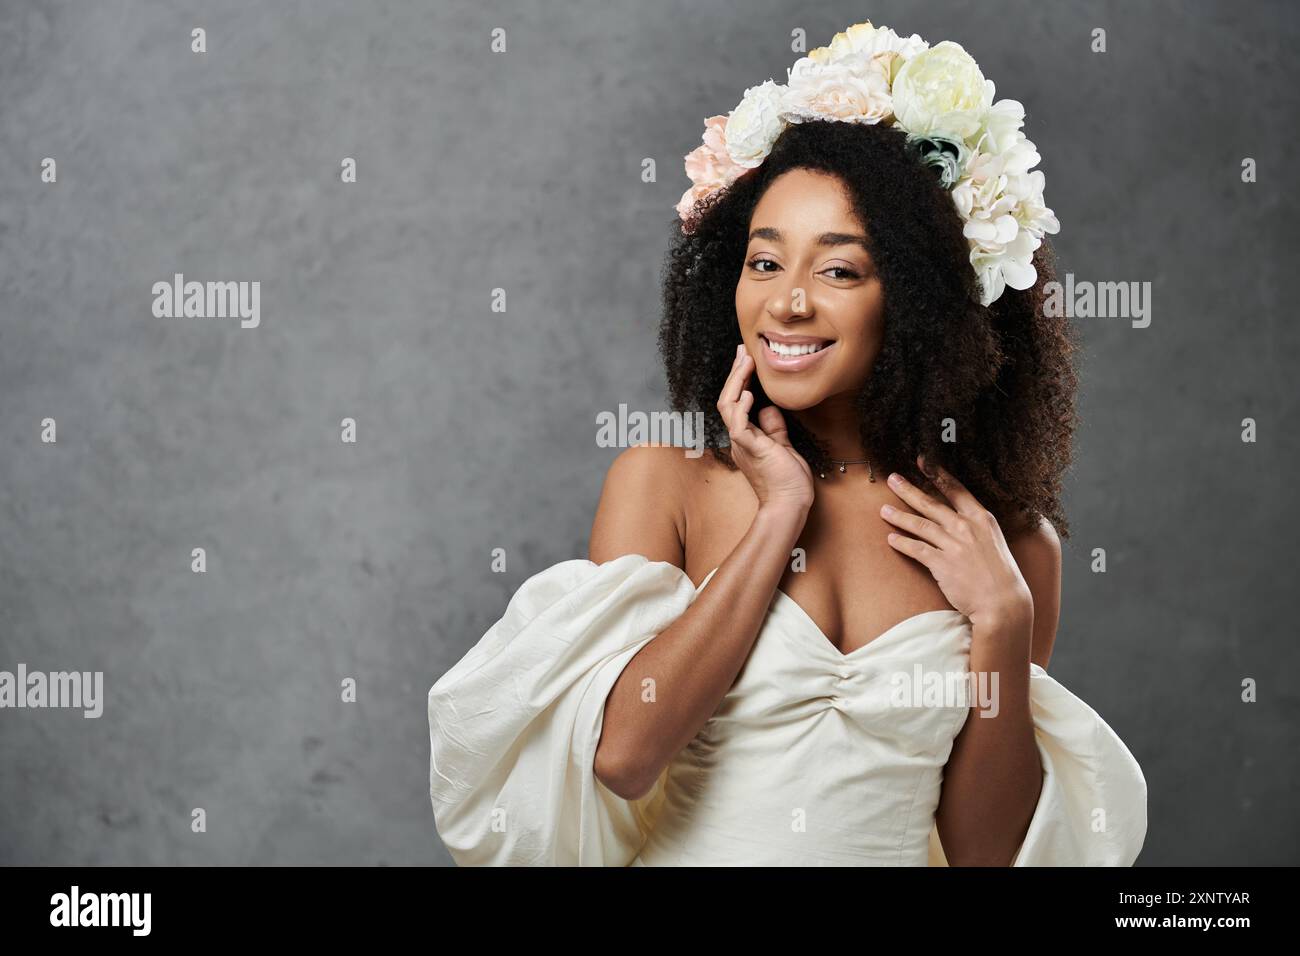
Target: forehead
{"x": 803, "y": 202}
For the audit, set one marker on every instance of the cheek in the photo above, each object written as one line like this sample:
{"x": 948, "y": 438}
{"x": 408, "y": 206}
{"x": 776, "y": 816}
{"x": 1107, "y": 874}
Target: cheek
{"x": 746, "y": 303}
{"x": 866, "y": 340}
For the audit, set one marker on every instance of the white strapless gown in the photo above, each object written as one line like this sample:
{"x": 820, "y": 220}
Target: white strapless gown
{"x": 809, "y": 760}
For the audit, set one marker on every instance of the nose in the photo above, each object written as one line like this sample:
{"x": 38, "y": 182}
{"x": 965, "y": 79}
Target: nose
{"x": 791, "y": 303}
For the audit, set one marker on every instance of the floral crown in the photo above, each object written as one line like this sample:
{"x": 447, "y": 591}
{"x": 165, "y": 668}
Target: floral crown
{"x": 940, "y": 99}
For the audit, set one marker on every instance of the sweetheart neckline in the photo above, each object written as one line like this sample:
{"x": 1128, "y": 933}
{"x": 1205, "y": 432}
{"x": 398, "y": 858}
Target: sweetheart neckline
{"x": 826, "y": 641}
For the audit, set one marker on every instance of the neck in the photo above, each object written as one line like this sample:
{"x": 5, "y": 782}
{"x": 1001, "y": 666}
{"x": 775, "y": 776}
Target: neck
{"x": 835, "y": 423}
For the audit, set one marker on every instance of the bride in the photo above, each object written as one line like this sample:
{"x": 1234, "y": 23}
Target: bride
{"x": 857, "y": 288}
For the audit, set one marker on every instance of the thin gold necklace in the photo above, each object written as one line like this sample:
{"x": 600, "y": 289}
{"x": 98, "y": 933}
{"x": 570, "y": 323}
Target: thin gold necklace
{"x": 871, "y": 472}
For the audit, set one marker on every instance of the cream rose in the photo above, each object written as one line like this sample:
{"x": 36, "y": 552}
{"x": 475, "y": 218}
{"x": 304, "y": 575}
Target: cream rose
{"x": 942, "y": 90}
{"x": 754, "y": 125}
{"x": 863, "y": 41}
{"x": 838, "y": 91}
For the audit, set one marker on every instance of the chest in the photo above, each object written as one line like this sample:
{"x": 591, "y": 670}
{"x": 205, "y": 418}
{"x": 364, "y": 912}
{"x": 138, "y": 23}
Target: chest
{"x": 842, "y": 573}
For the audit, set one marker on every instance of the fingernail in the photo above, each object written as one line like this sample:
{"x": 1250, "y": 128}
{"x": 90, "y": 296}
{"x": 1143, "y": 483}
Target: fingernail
{"x": 740, "y": 350}
{"x": 895, "y": 478}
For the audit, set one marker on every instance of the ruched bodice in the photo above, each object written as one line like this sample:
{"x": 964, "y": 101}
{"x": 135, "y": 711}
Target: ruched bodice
{"x": 813, "y": 757}
{"x": 810, "y": 758}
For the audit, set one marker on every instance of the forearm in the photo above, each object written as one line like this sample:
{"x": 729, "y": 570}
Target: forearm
{"x": 993, "y": 778}
{"x": 694, "y": 662}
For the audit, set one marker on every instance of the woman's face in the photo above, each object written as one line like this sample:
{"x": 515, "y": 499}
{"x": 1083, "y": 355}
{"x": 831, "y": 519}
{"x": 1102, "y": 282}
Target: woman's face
{"x": 809, "y": 282}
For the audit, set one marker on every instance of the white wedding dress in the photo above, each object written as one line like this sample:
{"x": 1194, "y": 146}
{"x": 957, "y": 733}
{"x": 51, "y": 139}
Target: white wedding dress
{"x": 807, "y": 761}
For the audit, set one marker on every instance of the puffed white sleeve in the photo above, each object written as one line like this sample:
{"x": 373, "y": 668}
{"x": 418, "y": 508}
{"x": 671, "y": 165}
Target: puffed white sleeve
{"x": 513, "y": 726}
{"x": 1092, "y": 810}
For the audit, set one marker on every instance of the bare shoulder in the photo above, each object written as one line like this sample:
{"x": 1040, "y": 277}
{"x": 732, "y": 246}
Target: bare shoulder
{"x": 1037, "y": 541}
{"x": 641, "y": 509}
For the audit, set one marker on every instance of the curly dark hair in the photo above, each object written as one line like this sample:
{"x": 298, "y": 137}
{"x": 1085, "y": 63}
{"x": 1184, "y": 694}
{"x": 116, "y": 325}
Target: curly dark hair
{"x": 1004, "y": 373}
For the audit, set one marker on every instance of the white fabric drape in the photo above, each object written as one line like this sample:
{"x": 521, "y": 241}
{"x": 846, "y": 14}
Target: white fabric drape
{"x": 514, "y": 726}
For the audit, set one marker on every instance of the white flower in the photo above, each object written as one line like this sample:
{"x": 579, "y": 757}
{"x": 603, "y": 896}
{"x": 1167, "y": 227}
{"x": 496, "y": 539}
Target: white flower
{"x": 1009, "y": 265}
{"x": 942, "y": 90}
{"x": 754, "y": 125}
{"x": 853, "y": 93}
{"x": 1031, "y": 212}
{"x": 862, "y": 41}
{"x": 1001, "y": 123}
{"x": 1001, "y": 202}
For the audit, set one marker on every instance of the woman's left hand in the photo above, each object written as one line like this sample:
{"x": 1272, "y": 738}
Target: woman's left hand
{"x": 962, "y": 545}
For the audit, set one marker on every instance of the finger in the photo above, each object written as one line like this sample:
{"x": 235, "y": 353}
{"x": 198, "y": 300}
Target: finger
{"x": 915, "y": 549}
{"x": 732, "y": 386}
{"x": 917, "y": 526}
{"x": 732, "y": 389}
{"x": 741, "y": 429}
{"x": 773, "y": 424}
{"x": 937, "y": 511}
{"x": 735, "y": 385}
{"x": 962, "y": 500}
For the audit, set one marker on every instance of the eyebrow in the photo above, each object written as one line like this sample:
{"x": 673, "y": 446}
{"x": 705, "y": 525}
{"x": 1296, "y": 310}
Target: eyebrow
{"x": 825, "y": 239}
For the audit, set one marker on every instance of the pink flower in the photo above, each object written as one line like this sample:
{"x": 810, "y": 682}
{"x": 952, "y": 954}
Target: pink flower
{"x": 690, "y": 198}
{"x": 709, "y": 166}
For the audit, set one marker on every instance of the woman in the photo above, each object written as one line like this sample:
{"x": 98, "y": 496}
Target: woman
{"x": 756, "y": 664}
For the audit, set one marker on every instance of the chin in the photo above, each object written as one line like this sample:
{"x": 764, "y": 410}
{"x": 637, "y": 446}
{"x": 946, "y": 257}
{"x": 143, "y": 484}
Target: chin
{"x": 794, "y": 398}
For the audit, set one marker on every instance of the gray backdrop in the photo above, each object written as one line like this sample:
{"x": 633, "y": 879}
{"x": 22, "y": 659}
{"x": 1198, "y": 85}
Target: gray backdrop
{"x": 476, "y": 429}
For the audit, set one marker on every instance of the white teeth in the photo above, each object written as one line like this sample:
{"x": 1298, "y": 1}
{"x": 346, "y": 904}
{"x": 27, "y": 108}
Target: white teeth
{"x": 780, "y": 349}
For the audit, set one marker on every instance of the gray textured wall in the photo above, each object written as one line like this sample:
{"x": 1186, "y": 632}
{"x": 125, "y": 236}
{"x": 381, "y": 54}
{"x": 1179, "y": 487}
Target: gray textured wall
{"x": 476, "y": 429}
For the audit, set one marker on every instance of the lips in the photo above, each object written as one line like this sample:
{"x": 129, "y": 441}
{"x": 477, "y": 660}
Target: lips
{"x": 793, "y": 353}
{"x": 794, "y": 344}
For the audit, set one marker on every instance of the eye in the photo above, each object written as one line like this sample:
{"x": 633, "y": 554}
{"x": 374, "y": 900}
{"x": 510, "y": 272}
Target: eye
{"x": 847, "y": 272}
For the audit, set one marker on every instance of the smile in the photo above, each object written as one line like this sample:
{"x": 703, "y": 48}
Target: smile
{"x": 796, "y": 355}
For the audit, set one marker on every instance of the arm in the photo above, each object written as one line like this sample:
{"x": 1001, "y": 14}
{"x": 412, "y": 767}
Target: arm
{"x": 1037, "y": 551}
{"x": 993, "y": 779}
{"x": 694, "y": 662}
{"x": 670, "y": 689}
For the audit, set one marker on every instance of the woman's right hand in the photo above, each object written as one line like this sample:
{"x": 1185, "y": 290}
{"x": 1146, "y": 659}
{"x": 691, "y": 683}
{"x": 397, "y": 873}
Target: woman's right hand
{"x": 778, "y": 474}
